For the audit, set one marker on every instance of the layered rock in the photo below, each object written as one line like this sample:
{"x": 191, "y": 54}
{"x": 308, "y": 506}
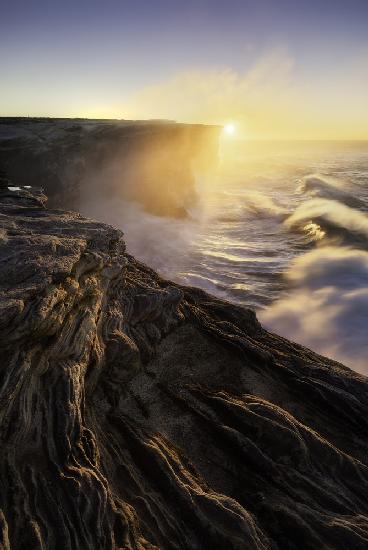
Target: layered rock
{"x": 151, "y": 162}
{"x": 136, "y": 413}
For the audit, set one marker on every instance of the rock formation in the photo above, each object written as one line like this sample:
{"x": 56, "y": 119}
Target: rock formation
{"x": 138, "y": 414}
{"x": 151, "y": 162}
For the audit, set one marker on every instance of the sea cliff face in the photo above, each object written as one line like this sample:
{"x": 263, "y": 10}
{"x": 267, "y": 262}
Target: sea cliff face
{"x": 150, "y": 162}
{"x": 136, "y": 413}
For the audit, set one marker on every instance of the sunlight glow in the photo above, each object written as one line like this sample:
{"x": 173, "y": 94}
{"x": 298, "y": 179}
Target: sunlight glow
{"x": 229, "y": 129}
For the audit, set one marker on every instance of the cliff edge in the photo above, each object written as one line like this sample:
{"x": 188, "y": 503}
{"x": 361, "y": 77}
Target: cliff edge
{"x": 151, "y": 162}
{"x": 139, "y": 414}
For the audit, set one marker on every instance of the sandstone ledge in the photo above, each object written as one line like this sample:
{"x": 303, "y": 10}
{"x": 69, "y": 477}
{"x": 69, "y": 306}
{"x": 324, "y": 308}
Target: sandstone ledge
{"x": 139, "y": 414}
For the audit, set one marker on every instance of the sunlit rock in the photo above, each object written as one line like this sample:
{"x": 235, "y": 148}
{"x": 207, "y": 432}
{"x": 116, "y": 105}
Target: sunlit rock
{"x": 135, "y": 413}
{"x": 151, "y": 162}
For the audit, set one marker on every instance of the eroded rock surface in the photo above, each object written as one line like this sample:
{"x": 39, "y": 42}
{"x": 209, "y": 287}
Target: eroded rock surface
{"x": 139, "y": 414}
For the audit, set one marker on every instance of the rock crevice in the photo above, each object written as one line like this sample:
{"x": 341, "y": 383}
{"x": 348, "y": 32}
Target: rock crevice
{"x": 135, "y": 413}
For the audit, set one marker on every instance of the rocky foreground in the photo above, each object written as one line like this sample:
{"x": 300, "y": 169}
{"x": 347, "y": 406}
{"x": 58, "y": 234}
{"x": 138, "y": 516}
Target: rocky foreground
{"x": 139, "y": 414}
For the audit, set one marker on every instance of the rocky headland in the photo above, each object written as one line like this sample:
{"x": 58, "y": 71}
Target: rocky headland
{"x": 139, "y": 414}
{"x": 136, "y": 413}
{"x": 151, "y": 162}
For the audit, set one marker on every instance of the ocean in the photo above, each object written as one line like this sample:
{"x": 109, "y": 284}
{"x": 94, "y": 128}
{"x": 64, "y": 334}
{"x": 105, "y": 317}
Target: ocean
{"x": 280, "y": 227}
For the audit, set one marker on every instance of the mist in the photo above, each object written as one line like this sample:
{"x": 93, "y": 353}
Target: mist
{"x": 332, "y": 213}
{"x": 270, "y": 97}
{"x": 326, "y": 308}
{"x": 232, "y": 240}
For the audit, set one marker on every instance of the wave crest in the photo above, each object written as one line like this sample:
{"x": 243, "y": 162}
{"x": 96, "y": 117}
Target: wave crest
{"x": 326, "y": 187}
{"x": 334, "y": 218}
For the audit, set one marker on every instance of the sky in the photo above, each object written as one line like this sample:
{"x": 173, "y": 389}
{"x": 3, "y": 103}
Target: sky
{"x": 274, "y": 68}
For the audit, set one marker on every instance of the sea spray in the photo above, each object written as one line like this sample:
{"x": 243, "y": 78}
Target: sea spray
{"x": 326, "y": 306}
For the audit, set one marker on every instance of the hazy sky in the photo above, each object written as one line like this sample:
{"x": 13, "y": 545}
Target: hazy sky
{"x": 277, "y": 68}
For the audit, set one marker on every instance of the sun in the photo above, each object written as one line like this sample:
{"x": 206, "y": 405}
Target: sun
{"x": 229, "y": 129}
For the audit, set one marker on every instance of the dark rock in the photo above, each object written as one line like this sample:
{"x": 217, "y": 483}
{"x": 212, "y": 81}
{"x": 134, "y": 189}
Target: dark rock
{"x": 150, "y": 162}
{"x": 4, "y": 180}
{"x": 137, "y": 414}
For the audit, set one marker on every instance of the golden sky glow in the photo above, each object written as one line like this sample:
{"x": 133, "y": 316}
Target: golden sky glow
{"x": 279, "y": 69}
{"x": 271, "y": 100}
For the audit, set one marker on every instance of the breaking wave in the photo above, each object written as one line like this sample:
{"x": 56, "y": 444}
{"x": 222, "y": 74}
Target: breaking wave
{"x": 329, "y": 188}
{"x": 326, "y": 307}
{"x": 334, "y": 218}
{"x": 262, "y": 204}
{"x": 288, "y": 241}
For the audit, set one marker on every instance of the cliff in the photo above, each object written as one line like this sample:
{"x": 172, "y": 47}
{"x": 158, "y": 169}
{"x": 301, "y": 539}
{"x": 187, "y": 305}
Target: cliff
{"x": 151, "y": 162}
{"x": 136, "y": 413}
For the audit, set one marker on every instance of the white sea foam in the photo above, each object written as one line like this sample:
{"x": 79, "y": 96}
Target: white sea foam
{"x": 326, "y": 187}
{"x": 326, "y": 308}
{"x": 332, "y": 212}
{"x": 261, "y": 203}
{"x": 162, "y": 243}
{"x": 241, "y": 236}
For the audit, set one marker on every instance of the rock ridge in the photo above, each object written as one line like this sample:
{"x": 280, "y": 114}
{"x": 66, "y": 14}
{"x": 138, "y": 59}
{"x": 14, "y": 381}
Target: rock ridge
{"x": 136, "y": 413}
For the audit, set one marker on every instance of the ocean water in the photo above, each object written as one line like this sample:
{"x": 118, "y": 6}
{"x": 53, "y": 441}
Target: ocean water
{"x": 282, "y": 228}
